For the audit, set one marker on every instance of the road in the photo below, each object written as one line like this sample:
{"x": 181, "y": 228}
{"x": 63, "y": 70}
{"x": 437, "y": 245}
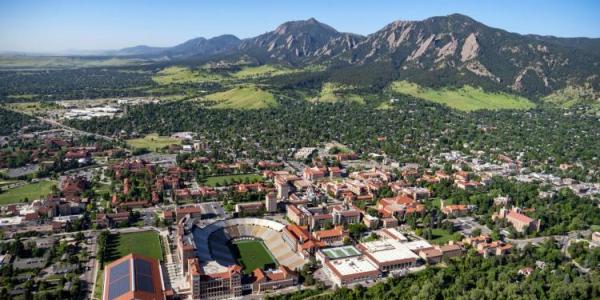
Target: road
{"x": 74, "y": 130}
{"x": 562, "y": 239}
{"x": 91, "y": 272}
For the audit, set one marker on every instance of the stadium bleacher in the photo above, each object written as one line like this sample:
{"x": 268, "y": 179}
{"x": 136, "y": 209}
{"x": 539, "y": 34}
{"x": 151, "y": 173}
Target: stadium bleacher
{"x": 211, "y": 241}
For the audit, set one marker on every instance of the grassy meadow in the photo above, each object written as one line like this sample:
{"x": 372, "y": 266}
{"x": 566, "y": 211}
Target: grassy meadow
{"x": 243, "y": 97}
{"x": 466, "y": 98}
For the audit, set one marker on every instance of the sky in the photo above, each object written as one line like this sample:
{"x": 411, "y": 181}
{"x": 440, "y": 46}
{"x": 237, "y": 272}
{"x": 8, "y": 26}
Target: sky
{"x": 61, "y": 25}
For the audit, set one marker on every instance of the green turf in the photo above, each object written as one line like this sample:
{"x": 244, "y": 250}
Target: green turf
{"x": 220, "y": 180}
{"x": 144, "y": 243}
{"x": 339, "y": 252}
{"x": 243, "y": 97}
{"x": 335, "y": 92}
{"x": 152, "y": 142}
{"x": 253, "y": 254}
{"x": 99, "y": 285}
{"x": 466, "y": 98}
{"x": 441, "y": 236}
{"x": 31, "y": 191}
{"x": 175, "y": 75}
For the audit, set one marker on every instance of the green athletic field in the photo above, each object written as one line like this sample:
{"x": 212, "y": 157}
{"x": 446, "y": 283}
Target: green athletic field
{"x": 253, "y": 254}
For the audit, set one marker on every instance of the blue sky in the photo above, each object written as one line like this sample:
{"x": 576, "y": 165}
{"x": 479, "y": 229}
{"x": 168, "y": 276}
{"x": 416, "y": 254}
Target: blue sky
{"x": 46, "y": 25}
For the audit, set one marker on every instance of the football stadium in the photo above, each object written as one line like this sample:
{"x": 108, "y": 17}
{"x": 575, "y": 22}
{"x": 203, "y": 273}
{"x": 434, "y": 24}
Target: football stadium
{"x": 249, "y": 242}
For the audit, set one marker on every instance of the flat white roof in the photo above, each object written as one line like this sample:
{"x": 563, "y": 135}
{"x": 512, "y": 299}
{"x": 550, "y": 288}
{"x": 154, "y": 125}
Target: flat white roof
{"x": 212, "y": 267}
{"x": 388, "y": 250}
{"x": 395, "y": 234}
{"x": 417, "y": 245}
{"x": 353, "y": 265}
{"x": 11, "y": 221}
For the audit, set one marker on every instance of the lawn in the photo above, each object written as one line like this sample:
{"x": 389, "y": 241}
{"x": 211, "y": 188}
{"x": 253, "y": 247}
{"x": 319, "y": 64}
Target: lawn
{"x": 99, "y": 285}
{"x": 102, "y": 188}
{"x": 175, "y": 75}
{"x": 145, "y": 243}
{"x": 220, "y": 180}
{"x": 442, "y": 236}
{"x": 335, "y": 92}
{"x": 31, "y": 191}
{"x": 466, "y": 98}
{"x": 152, "y": 142}
{"x": 252, "y": 255}
{"x": 243, "y": 97}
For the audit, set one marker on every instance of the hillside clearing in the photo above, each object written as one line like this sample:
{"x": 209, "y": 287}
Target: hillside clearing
{"x": 262, "y": 71}
{"x": 177, "y": 75}
{"x": 335, "y": 92}
{"x": 243, "y": 97}
{"x": 572, "y": 95}
{"x": 466, "y": 98}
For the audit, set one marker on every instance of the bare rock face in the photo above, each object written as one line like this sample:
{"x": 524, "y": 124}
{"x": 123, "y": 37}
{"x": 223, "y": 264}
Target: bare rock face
{"x": 470, "y": 48}
{"x": 454, "y": 45}
{"x": 302, "y": 39}
{"x": 479, "y": 69}
{"x": 448, "y": 50}
{"x": 423, "y": 46}
{"x": 537, "y": 70}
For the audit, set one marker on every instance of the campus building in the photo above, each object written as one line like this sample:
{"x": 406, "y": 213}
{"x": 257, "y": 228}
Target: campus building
{"x": 223, "y": 284}
{"x": 389, "y": 255}
{"x": 133, "y": 277}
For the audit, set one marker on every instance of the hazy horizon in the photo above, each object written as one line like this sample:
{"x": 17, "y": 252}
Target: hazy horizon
{"x": 62, "y": 26}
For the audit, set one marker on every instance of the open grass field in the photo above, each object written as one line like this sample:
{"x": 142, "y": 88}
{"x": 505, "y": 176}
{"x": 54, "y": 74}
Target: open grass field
{"x": 243, "y": 97}
{"x": 252, "y": 255}
{"x": 263, "y": 71}
{"x": 145, "y": 243}
{"x": 334, "y": 92}
{"x": 152, "y": 142}
{"x": 31, "y": 108}
{"x": 174, "y": 75}
{"x": 272, "y": 70}
{"x": 31, "y": 191}
{"x": 441, "y": 236}
{"x": 466, "y": 98}
{"x": 220, "y": 180}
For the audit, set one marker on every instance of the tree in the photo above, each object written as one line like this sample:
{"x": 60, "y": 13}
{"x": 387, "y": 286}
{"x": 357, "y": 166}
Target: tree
{"x": 356, "y": 230}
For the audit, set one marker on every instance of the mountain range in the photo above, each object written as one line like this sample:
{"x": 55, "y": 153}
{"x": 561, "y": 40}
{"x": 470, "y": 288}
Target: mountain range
{"x": 447, "y": 50}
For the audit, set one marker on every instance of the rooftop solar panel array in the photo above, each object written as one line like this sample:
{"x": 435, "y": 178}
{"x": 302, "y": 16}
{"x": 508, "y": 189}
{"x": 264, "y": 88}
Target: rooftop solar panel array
{"x": 118, "y": 288}
{"x": 143, "y": 276}
{"x": 142, "y": 266}
{"x": 119, "y": 280}
{"x": 120, "y": 270}
{"x": 144, "y": 283}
